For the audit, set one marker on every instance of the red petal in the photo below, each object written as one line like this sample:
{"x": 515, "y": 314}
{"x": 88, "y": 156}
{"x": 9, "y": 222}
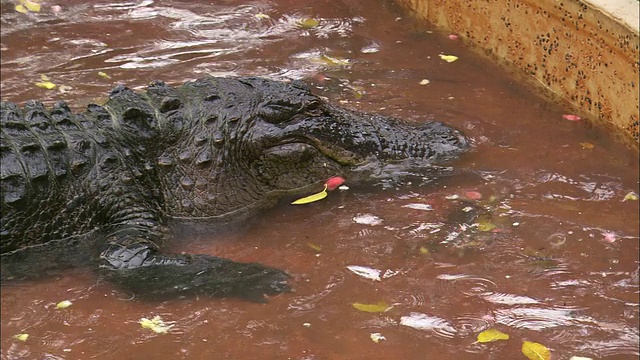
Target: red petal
{"x": 334, "y": 182}
{"x": 473, "y": 195}
{"x": 571, "y": 117}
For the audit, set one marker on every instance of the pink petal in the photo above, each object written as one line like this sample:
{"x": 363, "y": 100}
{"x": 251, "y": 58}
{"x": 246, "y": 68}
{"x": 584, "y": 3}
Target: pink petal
{"x": 473, "y": 195}
{"x": 334, "y": 182}
{"x": 453, "y": 36}
{"x": 571, "y": 117}
{"x": 609, "y": 237}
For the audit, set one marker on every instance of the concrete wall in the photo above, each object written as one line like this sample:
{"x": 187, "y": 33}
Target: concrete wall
{"x": 574, "y": 50}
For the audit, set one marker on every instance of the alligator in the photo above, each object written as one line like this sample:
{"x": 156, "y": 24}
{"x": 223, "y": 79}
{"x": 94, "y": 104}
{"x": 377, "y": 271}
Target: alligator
{"x": 112, "y": 179}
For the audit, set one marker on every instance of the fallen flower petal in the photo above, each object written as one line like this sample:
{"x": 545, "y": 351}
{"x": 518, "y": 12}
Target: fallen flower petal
{"x": 571, "y": 117}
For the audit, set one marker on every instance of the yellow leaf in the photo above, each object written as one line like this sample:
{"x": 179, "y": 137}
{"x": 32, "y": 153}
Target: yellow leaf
{"x": 104, "y": 75}
{"x": 44, "y": 77}
{"x": 535, "y": 351}
{"x": 491, "y": 335}
{"x": 30, "y": 5}
{"x": 314, "y": 246}
{"x": 448, "y": 58}
{"x": 587, "y": 145}
{"x": 156, "y": 324}
{"x": 332, "y": 61}
{"x": 311, "y": 198}
{"x": 21, "y": 337}
{"x": 630, "y": 196}
{"x": 46, "y": 85}
{"x": 262, "y": 16}
{"x": 308, "y": 23}
{"x": 21, "y": 9}
{"x": 377, "y": 337}
{"x": 63, "y": 304}
{"x": 486, "y": 226}
{"x": 424, "y": 250}
{"x": 372, "y": 308}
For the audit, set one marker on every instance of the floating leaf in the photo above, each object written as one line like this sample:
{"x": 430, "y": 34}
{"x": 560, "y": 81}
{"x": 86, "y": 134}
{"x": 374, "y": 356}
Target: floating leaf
{"x": 367, "y": 219}
{"x": 262, "y": 16}
{"x": 491, "y": 335}
{"x": 308, "y": 23}
{"x": 30, "y": 5}
{"x": 372, "y": 308}
{"x": 587, "y": 145}
{"x": 422, "y": 321}
{"x": 63, "y": 304}
{"x": 486, "y": 226}
{"x": 332, "y": 61}
{"x": 535, "y": 351}
{"x": 377, "y": 337}
{"x": 630, "y": 196}
{"x": 334, "y": 182}
{"x": 104, "y": 75}
{"x": 156, "y": 324}
{"x": 571, "y": 117}
{"x": 418, "y": 206}
{"x": 424, "y": 250}
{"x": 44, "y": 77}
{"x": 64, "y": 88}
{"x": 21, "y": 337}
{"x": 21, "y": 9}
{"x": 448, "y": 58}
{"x": 365, "y": 272}
{"x": 46, "y": 85}
{"x": 424, "y": 82}
{"x": 314, "y": 246}
{"x": 312, "y": 198}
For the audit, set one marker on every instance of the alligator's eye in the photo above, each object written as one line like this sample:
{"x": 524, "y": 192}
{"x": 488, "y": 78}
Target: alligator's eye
{"x": 277, "y": 113}
{"x": 313, "y": 109}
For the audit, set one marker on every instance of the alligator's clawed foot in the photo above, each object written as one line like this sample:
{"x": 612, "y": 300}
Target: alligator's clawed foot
{"x": 152, "y": 274}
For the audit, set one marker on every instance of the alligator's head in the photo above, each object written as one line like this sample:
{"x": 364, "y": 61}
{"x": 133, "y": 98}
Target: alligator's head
{"x": 257, "y": 140}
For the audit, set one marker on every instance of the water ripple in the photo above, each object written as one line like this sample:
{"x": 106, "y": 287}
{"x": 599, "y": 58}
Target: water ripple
{"x": 304, "y": 304}
{"x": 470, "y": 285}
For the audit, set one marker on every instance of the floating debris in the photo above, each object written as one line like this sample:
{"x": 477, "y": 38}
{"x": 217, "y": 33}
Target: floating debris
{"x": 156, "y": 324}
{"x": 377, "y": 337}
{"x": 491, "y": 335}
{"x": 21, "y": 337}
{"x": 571, "y": 117}
{"x": 417, "y": 206}
{"x": 367, "y": 219}
{"x": 63, "y": 304}
{"x": 365, "y": 272}
{"x": 448, "y": 58}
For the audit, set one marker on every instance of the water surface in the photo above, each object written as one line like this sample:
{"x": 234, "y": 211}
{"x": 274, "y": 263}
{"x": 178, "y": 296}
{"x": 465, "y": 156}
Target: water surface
{"x": 559, "y": 266}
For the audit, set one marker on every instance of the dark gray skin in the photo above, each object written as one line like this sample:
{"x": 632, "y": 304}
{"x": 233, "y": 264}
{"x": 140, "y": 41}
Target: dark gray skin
{"x": 112, "y": 177}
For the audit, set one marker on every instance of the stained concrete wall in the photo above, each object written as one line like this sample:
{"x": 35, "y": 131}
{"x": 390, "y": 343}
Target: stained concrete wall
{"x": 572, "y": 48}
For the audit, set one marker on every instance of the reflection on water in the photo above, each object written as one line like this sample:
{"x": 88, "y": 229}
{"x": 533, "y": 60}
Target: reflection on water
{"x": 546, "y": 250}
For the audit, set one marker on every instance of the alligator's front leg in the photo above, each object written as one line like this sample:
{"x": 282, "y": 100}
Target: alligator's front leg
{"x": 133, "y": 261}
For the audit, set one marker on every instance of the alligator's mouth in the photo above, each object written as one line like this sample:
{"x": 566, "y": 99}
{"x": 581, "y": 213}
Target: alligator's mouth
{"x": 340, "y": 155}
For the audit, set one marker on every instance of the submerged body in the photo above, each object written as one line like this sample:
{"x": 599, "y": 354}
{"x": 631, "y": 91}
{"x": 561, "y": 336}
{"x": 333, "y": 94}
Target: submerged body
{"x": 112, "y": 177}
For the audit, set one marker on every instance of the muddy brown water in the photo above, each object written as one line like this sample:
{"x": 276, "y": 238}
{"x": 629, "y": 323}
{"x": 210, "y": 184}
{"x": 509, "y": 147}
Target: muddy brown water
{"x": 559, "y": 268}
